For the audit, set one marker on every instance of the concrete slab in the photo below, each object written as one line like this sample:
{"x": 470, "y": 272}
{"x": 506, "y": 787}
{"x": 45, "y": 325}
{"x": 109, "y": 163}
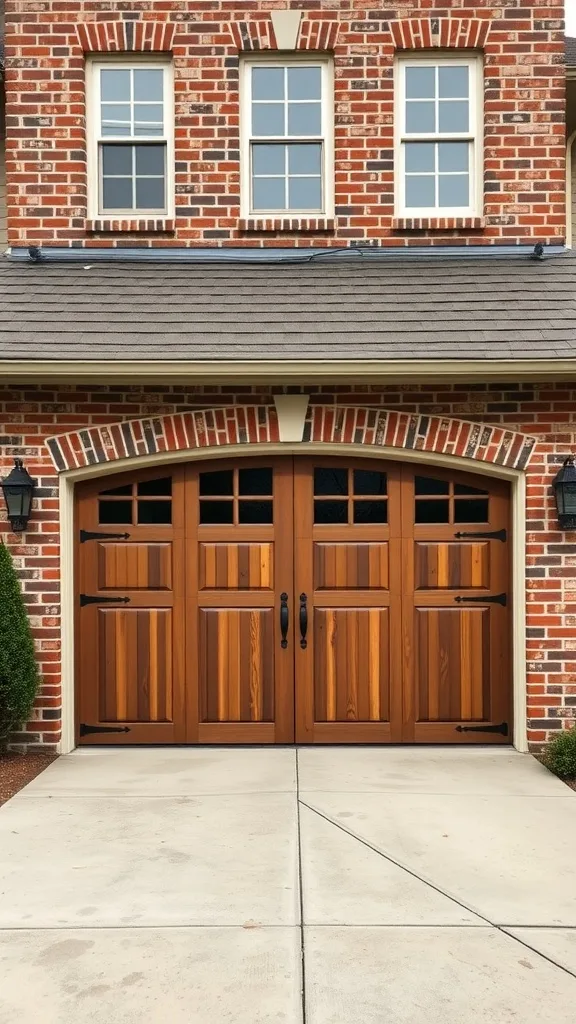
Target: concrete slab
{"x": 173, "y": 975}
{"x": 493, "y": 853}
{"x": 477, "y": 771}
{"x": 441, "y": 976}
{"x": 344, "y": 882}
{"x": 559, "y": 944}
{"x": 164, "y": 771}
{"x": 149, "y": 861}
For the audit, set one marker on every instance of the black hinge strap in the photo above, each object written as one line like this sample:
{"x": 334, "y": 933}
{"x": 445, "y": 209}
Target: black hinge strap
{"x": 95, "y": 599}
{"x": 91, "y": 535}
{"x": 502, "y": 728}
{"x": 491, "y": 599}
{"x": 88, "y": 730}
{"x": 494, "y": 535}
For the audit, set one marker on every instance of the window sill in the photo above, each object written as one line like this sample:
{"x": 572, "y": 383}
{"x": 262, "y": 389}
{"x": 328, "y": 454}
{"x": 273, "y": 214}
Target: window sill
{"x": 274, "y": 224}
{"x": 438, "y": 223}
{"x": 139, "y": 225}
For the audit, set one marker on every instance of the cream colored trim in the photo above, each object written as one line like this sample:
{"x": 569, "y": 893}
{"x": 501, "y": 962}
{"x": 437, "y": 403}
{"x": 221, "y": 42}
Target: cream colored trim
{"x": 286, "y": 27}
{"x": 291, "y": 411}
{"x": 296, "y": 371}
{"x": 569, "y": 190}
{"x": 68, "y": 479}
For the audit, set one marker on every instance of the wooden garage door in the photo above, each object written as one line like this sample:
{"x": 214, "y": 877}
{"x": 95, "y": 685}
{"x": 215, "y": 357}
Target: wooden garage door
{"x": 293, "y": 599}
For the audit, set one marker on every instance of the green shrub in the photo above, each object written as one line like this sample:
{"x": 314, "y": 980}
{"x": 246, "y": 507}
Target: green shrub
{"x": 560, "y": 754}
{"x": 18, "y": 669}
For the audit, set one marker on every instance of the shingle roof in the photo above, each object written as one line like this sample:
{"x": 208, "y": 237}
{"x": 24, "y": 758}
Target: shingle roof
{"x": 570, "y": 52}
{"x": 439, "y": 307}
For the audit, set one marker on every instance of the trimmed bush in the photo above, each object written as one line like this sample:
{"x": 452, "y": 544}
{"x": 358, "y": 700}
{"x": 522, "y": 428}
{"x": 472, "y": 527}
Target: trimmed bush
{"x": 19, "y": 677}
{"x": 560, "y": 754}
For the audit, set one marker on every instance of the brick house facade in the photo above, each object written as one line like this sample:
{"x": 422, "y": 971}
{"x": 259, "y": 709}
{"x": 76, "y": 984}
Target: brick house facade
{"x": 528, "y": 418}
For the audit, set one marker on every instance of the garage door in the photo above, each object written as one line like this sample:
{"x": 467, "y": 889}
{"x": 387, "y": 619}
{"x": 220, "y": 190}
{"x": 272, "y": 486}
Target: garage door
{"x": 310, "y": 600}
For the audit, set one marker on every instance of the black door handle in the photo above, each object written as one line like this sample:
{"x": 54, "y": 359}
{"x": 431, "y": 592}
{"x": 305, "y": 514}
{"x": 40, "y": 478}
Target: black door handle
{"x": 284, "y": 619}
{"x": 303, "y": 622}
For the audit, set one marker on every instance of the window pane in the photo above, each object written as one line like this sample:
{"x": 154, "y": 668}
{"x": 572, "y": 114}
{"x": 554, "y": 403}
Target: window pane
{"x": 304, "y": 194}
{"x": 420, "y": 190}
{"x": 127, "y": 489}
{"x": 453, "y": 116}
{"x": 150, "y": 159}
{"x": 420, "y": 156}
{"x": 115, "y": 512}
{"x": 330, "y": 511}
{"x": 305, "y": 159}
{"x": 420, "y": 83}
{"x": 255, "y": 512}
{"x": 116, "y": 160}
{"x": 148, "y": 84}
{"x": 149, "y": 114}
{"x": 367, "y": 481}
{"x": 150, "y": 194}
{"x": 117, "y": 193}
{"x": 429, "y": 485}
{"x": 163, "y": 485}
{"x": 268, "y": 119}
{"x": 370, "y": 511}
{"x": 453, "y": 156}
{"x": 453, "y": 82}
{"x": 114, "y": 84}
{"x": 330, "y": 481}
{"x": 304, "y": 83}
{"x": 155, "y": 512}
{"x": 267, "y": 83}
{"x": 115, "y": 113}
{"x": 433, "y": 511}
{"x": 467, "y": 489}
{"x": 255, "y": 481}
{"x": 219, "y": 482}
{"x": 268, "y": 194}
{"x": 453, "y": 190}
{"x": 420, "y": 117}
{"x": 216, "y": 512}
{"x": 304, "y": 119}
{"x": 475, "y": 510}
{"x": 115, "y": 130}
{"x": 268, "y": 159}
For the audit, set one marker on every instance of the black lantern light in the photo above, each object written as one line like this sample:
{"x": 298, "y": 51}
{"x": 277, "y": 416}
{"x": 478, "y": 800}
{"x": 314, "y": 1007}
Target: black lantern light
{"x": 564, "y": 484}
{"x": 18, "y": 488}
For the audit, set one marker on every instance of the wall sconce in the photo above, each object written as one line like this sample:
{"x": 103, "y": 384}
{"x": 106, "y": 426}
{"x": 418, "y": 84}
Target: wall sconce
{"x": 564, "y": 485}
{"x": 18, "y": 488}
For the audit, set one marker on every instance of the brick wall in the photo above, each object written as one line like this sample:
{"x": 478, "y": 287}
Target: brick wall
{"x": 522, "y": 41}
{"x": 29, "y": 414}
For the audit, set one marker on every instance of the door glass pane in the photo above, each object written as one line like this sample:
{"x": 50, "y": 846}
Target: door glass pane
{"x": 219, "y": 482}
{"x": 255, "y": 511}
{"x": 330, "y": 481}
{"x": 467, "y": 489}
{"x": 115, "y": 512}
{"x": 163, "y": 485}
{"x": 330, "y": 511}
{"x": 366, "y": 481}
{"x": 428, "y": 485}
{"x": 370, "y": 511}
{"x": 475, "y": 510}
{"x": 155, "y": 512}
{"x": 255, "y": 481}
{"x": 124, "y": 489}
{"x": 212, "y": 512}
{"x": 433, "y": 511}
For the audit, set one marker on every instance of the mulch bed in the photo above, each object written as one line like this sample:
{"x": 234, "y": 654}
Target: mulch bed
{"x": 17, "y": 770}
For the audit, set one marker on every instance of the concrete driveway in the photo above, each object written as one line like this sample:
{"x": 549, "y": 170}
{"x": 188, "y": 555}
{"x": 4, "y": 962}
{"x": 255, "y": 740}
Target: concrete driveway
{"x": 319, "y": 886}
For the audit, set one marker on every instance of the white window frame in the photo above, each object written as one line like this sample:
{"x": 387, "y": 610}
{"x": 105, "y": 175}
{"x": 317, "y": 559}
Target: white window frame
{"x": 94, "y": 138}
{"x": 475, "y": 136}
{"x": 326, "y": 138}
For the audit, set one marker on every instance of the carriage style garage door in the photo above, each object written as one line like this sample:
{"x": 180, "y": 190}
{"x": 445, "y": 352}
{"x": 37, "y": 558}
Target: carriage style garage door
{"x": 280, "y": 600}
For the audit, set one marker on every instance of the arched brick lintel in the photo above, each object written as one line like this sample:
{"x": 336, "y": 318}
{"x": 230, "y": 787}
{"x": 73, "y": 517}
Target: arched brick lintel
{"x": 258, "y": 425}
{"x": 448, "y": 33}
{"x": 125, "y": 36}
{"x": 258, "y": 34}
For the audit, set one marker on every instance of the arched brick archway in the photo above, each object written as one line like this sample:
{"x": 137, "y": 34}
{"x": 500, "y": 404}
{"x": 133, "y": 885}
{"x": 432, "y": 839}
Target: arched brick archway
{"x": 259, "y": 425}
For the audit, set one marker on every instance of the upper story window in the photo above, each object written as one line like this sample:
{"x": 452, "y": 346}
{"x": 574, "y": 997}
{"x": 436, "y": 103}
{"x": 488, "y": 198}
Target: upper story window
{"x": 131, "y": 138}
{"x": 287, "y": 137}
{"x": 439, "y": 129}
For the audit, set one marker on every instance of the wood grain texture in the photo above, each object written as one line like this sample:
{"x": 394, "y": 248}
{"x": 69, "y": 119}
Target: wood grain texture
{"x": 135, "y": 664}
{"x": 237, "y": 664}
{"x": 236, "y": 566}
{"x": 351, "y": 678}
{"x": 453, "y": 663}
{"x": 350, "y": 566}
{"x": 453, "y": 565}
{"x": 134, "y": 566}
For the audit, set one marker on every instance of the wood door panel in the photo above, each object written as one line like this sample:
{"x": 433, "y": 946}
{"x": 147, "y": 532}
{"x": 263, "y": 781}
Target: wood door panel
{"x": 135, "y": 664}
{"x": 452, "y": 565}
{"x": 242, "y": 566}
{"x": 237, "y": 665}
{"x": 351, "y": 665}
{"x": 358, "y": 566}
{"x": 134, "y": 566}
{"x": 453, "y": 664}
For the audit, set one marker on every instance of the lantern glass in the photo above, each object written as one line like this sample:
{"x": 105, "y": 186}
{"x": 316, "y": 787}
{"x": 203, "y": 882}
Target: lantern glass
{"x": 18, "y": 488}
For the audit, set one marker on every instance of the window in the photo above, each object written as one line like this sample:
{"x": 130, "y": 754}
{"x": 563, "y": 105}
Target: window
{"x": 131, "y": 139}
{"x": 438, "y": 134}
{"x": 287, "y": 137}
